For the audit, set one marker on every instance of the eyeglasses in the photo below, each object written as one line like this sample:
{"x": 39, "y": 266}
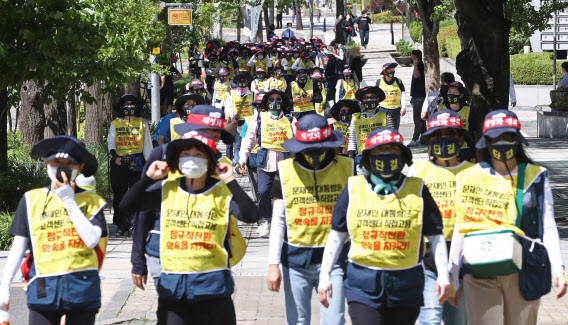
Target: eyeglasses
{"x": 272, "y": 100}
{"x": 369, "y": 97}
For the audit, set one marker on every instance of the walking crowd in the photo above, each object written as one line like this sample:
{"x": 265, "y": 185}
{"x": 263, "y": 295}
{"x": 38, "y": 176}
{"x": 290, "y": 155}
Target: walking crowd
{"x": 467, "y": 236}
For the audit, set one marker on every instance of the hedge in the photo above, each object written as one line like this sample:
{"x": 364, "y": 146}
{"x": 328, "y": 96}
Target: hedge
{"x": 534, "y": 68}
{"x": 453, "y": 46}
{"x": 442, "y": 36}
{"x": 385, "y": 18}
{"x": 5, "y": 223}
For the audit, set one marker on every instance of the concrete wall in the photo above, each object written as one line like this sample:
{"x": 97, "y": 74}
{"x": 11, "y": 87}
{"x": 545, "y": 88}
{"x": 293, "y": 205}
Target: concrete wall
{"x": 526, "y": 95}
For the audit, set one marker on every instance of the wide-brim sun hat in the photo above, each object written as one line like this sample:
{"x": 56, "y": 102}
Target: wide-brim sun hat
{"x": 180, "y": 101}
{"x": 128, "y": 97}
{"x": 285, "y": 100}
{"x": 313, "y": 131}
{"x": 68, "y": 147}
{"x": 188, "y": 139}
{"x": 384, "y": 136}
{"x": 444, "y": 89}
{"x": 353, "y": 108}
{"x": 370, "y": 90}
{"x": 498, "y": 122}
{"x": 206, "y": 117}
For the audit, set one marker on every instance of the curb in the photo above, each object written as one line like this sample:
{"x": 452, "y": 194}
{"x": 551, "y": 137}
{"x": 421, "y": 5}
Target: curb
{"x": 108, "y": 315}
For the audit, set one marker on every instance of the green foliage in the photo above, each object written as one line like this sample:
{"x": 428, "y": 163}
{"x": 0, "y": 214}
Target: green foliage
{"x": 5, "y": 223}
{"x": 351, "y": 44}
{"x": 517, "y": 42}
{"x": 453, "y": 46}
{"x": 526, "y": 19}
{"x": 179, "y": 86}
{"x": 442, "y": 36}
{"x": 416, "y": 30}
{"x": 561, "y": 105}
{"x": 404, "y": 47}
{"x": 102, "y": 175}
{"x": 385, "y": 17}
{"x": 446, "y": 23}
{"x": 534, "y": 68}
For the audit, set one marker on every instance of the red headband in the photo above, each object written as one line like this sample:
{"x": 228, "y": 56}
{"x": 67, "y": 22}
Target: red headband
{"x": 446, "y": 121}
{"x": 311, "y": 136}
{"x": 207, "y": 120}
{"x": 506, "y": 121}
{"x": 383, "y": 138}
{"x": 207, "y": 141}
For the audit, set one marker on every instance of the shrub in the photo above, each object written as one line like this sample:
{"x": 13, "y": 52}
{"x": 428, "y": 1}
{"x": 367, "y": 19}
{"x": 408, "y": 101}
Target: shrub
{"x": 5, "y": 223}
{"x": 517, "y": 42}
{"x": 442, "y": 36}
{"x": 561, "y": 105}
{"x": 102, "y": 175}
{"x": 351, "y": 44}
{"x": 453, "y": 46}
{"x": 446, "y": 23}
{"x": 179, "y": 86}
{"x": 534, "y": 68}
{"x": 385, "y": 18}
{"x": 416, "y": 30}
{"x": 404, "y": 47}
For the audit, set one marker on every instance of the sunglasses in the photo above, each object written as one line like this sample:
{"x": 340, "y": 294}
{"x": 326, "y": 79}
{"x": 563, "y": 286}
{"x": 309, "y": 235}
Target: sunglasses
{"x": 369, "y": 98}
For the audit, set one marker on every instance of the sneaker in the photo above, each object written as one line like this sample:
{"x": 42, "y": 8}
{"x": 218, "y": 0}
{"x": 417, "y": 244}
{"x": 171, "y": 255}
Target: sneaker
{"x": 264, "y": 229}
{"x": 413, "y": 144}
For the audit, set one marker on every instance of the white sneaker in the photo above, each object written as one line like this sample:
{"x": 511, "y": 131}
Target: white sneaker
{"x": 264, "y": 229}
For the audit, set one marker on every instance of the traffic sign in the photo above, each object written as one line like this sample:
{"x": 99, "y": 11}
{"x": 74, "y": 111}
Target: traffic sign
{"x": 179, "y": 16}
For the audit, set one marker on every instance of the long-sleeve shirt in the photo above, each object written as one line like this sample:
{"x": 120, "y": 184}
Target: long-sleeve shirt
{"x": 147, "y": 145}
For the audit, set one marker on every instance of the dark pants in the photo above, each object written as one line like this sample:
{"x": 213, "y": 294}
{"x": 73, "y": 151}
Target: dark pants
{"x": 75, "y": 317}
{"x": 264, "y": 196}
{"x": 419, "y": 123}
{"x": 278, "y": 21}
{"x": 393, "y": 117}
{"x": 215, "y": 312}
{"x": 364, "y": 34}
{"x": 362, "y": 314}
{"x": 210, "y": 83}
{"x": 121, "y": 179}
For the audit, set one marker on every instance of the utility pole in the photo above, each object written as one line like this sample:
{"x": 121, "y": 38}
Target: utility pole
{"x": 311, "y": 18}
{"x": 554, "y": 52}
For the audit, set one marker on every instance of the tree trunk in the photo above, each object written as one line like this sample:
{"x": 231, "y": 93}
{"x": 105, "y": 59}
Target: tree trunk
{"x": 71, "y": 107}
{"x": 339, "y": 8}
{"x": 483, "y": 62}
{"x": 258, "y": 36}
{"x": 239, "y": 23}
{"x": 94, "y": 116}
{"x": 55, "y": 119}
{"x": 4, "y": 108}
{"x": 266, "y": 20}
{"x": 431, "y": 56}
{"x": 298, "y": 8}
{"x": 33, "y": 117}
{"x": 338, "y": 25}
{"x": 271, "y": 12}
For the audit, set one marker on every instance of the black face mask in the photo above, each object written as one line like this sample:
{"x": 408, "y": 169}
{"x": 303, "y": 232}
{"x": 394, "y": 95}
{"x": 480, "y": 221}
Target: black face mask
{"x": 445, "y": 148}
{"x": 345, "y": 117}
{"x": 314, "y": 156}
{"x": 386, "y": 165}
{"x": 302, "y": 80}
{"x": 503, "y": 150}
{"x": 275, "y": 106}
{"x": 186, "y": 112}
{"x": 369, "y": 105}
{"x": 260, "y": 77}
{"x": 242, "y": 84}
{"x": 129, "y": 110}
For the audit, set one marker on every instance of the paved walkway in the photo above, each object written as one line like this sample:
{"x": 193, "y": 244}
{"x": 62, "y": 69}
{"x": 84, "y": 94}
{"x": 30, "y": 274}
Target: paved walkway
{"x": 122, "y": 303}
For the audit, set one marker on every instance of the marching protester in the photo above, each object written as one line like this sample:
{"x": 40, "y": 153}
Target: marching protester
{"x": 395, "y": 102}
{"x": 418, "y": 96}
{"x": 277, "y": 81}
{"x": 346, "y": 87}
{"x": 64, "y": 228}
{"x": 445, "y": 135}
{"x": 129, "y": 145}
{"x": 221, "y": 88}
{"x": 320, "y": 92}
{"x": 260, "y": 82}
{"x": 302, "y": 92}
{"x": 238, "y": 106}
{"x": 342, "y": 112}
{"x": 433, "y": 99}
{"x": 386, "y": 215}
{"x": 505, "y": 199}
{"x": 268, "y": 130}
{"x": 301, "y": 220}
{"x": 199, "y": 239}
{"x": 184, "y": 105}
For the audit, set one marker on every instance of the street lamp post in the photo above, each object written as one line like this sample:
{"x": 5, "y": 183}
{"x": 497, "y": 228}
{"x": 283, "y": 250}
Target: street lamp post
{"x": 311, "y": 18}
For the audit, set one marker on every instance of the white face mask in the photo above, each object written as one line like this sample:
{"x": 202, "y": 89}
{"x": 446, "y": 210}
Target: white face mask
{"x": 289, "y": 28}
{"x": 192, "y": 167}
{"x": 52, "y": 173}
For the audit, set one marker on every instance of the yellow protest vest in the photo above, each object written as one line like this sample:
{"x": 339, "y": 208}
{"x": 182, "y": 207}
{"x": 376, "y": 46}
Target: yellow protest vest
{"x": 221, "y": 89}
{"x": 274, "y": 132}
{"x": 304, "y": 105}
{"x": 275, "y": 62}
{"x": 309, "y": 219}
{"x": 261, "y": 84}
{"x": 173, "y": 122}
{"x": 319, "y": 107}
{"x": 212, "y": 66}
{"x": 307, "y": 65}
{"x": 289, "y": 64}
{"x": 485, "y": 201}
{"x": 246, "y": 102}
{"x": 385, "y": 233}
{"x": 441, "y": 182}
{"x": 57, "y": 247}
{"x": 229, "y": 66}
{"x": 276, "y": 84}
{"x": 129, "y": 136}
{"x": 243, "y": 65}
{"x": 392, "y": 93}
{"x": 338, "y": 126}
{"x": 364, "y": 126}
{"x": 193, "y": 229}
{"x": 349, "y": 89}
{"x": 463, "y": 113}
{"x": 261, "y": 64}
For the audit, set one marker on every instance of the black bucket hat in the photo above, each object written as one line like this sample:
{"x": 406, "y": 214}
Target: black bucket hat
{"x": 68, "y": 147}
{"x": 353, "y": 107}
{"x": 313, "y": 131}
{"x": 444, "y": 90}
{"x": 206, "y": 117}
{"x": 192, "y": 138}
{"x": 128, "y": 97}
{"x": 370, "y": 90}
{"x": 184, "y": 98}
{"x": 384, "y": 136}
{"x": 499, "y": 122}
{"x": 285, "y": 100}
